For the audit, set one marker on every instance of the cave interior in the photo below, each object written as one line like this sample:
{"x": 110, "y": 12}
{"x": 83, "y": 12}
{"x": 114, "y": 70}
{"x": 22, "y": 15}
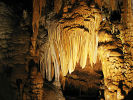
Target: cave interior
{"x": 66, "y": 49}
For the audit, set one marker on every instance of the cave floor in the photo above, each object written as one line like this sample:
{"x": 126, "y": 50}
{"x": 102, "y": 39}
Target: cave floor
{"x": 82, "y": 84}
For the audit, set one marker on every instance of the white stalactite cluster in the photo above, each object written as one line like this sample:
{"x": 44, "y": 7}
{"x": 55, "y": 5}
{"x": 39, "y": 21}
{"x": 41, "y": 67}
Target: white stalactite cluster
{"x": 67, "y": 47}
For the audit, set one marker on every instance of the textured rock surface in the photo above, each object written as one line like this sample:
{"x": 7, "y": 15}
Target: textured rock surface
{"x": 15, "y": 33}
{"x": 114, "y": 46}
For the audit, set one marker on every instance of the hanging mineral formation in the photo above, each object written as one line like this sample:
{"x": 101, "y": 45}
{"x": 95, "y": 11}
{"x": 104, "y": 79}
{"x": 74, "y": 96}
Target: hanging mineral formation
{"x": 71, "y": 42}
{"x": 37, "y": 8}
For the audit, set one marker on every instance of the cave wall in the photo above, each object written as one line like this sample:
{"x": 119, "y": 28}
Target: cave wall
{"x": 15, "y": 33}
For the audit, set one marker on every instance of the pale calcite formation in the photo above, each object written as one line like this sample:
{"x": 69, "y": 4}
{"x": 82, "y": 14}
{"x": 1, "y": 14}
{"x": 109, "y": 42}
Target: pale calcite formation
{"x": 81, "y": 33}
{"x": 72, "y": 44}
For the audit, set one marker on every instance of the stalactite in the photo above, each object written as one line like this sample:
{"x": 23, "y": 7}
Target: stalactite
{"x": 48, "y": 71}
{"x": 73, "y": 46}
{"x": 132, "y": 6}
{"x": 75, "y": 37}
{"x": 37, "y": 8}
{"x": 72, "y": 1}
{"x": 114, "y": 4}
{"x": 57, "y": 5}
{"x": 56, "y": 65}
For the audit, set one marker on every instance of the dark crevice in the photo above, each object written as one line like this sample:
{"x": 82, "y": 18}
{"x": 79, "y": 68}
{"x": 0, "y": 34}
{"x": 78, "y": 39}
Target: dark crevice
{"x": 77, "y": 26}
{"x": 19, "y": 5}
{"x": 73, "y": 16}
{"x": 117, "y": 50}
{"x": 115, "y": 16}
{"x": 106, "y": 31}
{"x": 106, "y": 43}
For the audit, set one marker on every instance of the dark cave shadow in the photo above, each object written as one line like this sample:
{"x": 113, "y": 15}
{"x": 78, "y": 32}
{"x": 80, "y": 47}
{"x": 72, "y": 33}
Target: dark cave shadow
{"x": 129, "y": 96}
{"x": 7, "y": 92}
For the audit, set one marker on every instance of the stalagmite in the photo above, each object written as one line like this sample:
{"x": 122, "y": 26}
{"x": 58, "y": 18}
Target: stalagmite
{"x": 36, "y": 84}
